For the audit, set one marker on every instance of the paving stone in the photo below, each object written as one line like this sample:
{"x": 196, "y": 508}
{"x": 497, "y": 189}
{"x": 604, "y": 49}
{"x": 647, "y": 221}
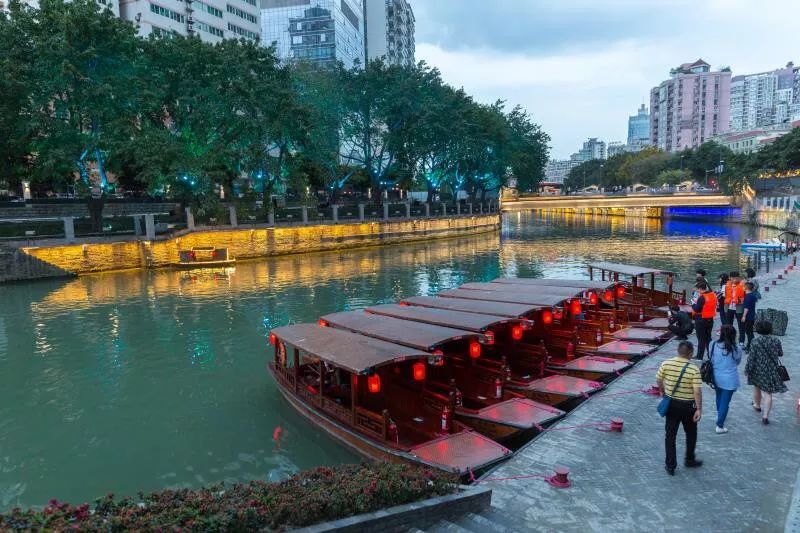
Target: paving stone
{"x": 618, "y": 480}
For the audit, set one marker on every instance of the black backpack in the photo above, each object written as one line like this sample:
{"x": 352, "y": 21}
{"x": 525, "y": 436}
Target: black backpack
{"x": 707, "y": 369}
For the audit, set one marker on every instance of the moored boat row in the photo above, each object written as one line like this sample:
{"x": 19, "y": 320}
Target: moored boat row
{"x": 459, "y": 380}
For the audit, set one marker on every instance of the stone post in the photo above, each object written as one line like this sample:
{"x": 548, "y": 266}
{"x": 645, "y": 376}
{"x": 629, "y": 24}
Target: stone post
{"x": 271, "y": 217}
{"x": 150, "y": 227}
{"x": 69, "y": 229}
{"x": 386, "y": 211}
{"x": 137, "y": 225}
{"x": 444, "y": 209}
{"x": 408, "y": 209}
{"x": 427, "y": 210}
{"x": 361, "y": 212}
{"x": 458, "y": 207}
{"x": 305, "y": 214}
{"x": 234, "y": 220}
{"x": 189, "y": 219}
{"x": 335, "y": 213}
{"x": 470, "y": 208}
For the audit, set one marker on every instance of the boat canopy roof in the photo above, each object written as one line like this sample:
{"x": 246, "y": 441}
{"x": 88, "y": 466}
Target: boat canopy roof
{"x": 511, "y": 296}
{"x": 566, "y": 292}
{"x": 546, "y": 282}
{"x": 628, "y": 270}
{"x": 350, "y": 351}
{"x": 408, "y": 333}
{"x": 442, "y": 317}
{"x": 509, "y": 310}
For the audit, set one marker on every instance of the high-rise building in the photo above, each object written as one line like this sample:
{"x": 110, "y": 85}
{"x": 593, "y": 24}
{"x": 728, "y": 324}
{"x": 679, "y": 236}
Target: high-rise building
{"x": 389, "y": 31}
{"x": 593, "y": 148}
{"x": 639, "y": 129}
{"x": 557, "y": 170}
{"x": 211, "y": 20}
{"x": 691, "y": 107}
{"x": 113, "y": 6}
{"x": 764, "y": 99}
{"x": 319, "y": 31}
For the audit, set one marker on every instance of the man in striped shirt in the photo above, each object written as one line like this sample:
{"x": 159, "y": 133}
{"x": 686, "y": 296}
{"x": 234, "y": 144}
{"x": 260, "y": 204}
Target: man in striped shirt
{"x": 685, "y": 406}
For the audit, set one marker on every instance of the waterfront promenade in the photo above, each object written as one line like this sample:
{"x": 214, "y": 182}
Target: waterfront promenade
{"x": 618, "y": 479}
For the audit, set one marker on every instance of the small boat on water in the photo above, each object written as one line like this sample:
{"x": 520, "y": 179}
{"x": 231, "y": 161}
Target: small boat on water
{"x": 204, "y": 257}
{"x": 370, "y": 395}
{"x": 771, "y": 245}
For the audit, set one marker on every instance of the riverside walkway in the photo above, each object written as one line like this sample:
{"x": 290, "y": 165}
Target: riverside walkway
{"x": 747, "y": 481}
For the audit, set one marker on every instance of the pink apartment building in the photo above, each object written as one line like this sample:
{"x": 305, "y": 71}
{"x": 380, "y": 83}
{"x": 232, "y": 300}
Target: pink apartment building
{"x": 691, "y": 107}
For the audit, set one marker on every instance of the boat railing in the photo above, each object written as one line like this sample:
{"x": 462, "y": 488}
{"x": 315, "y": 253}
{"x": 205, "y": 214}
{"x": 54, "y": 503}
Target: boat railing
{"x": 309, "y": 395}
{"x": 286, "y": 375}
{"x": 337, "y": 410}
{"x": 370, "y": 422}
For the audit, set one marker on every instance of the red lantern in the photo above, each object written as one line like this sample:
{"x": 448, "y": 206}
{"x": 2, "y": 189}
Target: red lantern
{"x": 608, "y": 296}
{"x": 575, "y": 307}
{"x": 403, "y": 304}
{"x": 516, "y": 332}
{"x": 593, "y": 299}
{"x": 474, "y": 349}
{"x": 322, "y": 323}
{"x": 419, "y": 371}
{"x": 547, "y": 317}
{"x": 374, "y": 383}
{"x": 620, "y": 291}
{"x": 272, "y": 339}
{"x": 489, "y": 335}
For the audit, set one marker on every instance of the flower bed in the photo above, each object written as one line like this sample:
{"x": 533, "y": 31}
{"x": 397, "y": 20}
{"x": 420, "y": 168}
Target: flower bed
{"x": 307, "y": 498}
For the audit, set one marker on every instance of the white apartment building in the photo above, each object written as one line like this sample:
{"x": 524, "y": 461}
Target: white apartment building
{"x": 112, "y": 5}
{"x": 765, "y": 98}
{"x": 319, "y": 31}
{"x": 211, "y": 20}
{"x": 389, "y": 31}
{"x": 557, "y": 170}
{"x": 593, "y": 148}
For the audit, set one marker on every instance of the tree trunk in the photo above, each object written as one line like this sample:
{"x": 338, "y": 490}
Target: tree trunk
{"x": 96, "y": 213}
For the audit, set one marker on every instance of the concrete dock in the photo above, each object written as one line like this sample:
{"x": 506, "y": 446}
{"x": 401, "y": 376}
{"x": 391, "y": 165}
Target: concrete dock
{"x": 747, "y": 482}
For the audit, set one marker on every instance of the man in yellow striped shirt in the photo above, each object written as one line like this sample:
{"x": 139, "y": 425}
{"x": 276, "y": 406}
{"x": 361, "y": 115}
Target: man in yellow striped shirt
{"x": 685, "y": 406}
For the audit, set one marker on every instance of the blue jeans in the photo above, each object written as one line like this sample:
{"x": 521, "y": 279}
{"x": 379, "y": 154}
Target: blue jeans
{"x": 723, "y": 402}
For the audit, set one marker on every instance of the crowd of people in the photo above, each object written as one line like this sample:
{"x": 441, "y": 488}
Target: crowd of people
{"x": 734, "y": 300}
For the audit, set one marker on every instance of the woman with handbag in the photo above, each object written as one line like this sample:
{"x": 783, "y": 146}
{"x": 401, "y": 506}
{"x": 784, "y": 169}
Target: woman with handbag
{"x": 764, "y": 370}
{"x": 725, "y": 357}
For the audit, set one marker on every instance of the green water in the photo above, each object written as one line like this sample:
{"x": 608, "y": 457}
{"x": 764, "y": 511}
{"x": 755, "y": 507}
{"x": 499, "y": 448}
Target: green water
{"x": 145, "y": 380}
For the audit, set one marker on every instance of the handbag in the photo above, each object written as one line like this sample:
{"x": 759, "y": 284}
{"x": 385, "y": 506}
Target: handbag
{"x": 663, "y": 405}
{"x": 707, "y": 369}
{"x": 782, "y": 372}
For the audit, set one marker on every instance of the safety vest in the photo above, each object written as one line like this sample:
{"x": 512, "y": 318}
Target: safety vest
{"x": 709, "y": 305}
{"x": 734, "y": 293}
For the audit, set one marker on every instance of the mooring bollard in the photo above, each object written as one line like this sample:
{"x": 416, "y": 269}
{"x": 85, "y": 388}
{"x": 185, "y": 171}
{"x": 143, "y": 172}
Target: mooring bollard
{"x": 748, "y": 261}
{"x": 561, "y": 478}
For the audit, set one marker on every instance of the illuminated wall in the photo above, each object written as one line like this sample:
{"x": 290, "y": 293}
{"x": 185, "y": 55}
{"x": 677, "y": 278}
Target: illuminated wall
{"x": 254, "y": 243}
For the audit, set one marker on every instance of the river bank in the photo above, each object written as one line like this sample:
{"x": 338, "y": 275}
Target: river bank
{"x": 58, "y": 260}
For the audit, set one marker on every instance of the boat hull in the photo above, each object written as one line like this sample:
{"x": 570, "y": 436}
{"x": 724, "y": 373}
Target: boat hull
{"x": 205, "y": 264}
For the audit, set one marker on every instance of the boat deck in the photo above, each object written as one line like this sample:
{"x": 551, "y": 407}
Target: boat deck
{"x": 519, "y": 412}
{"x": 683, "y": 307}
{"x": 640, "y": 334}
{"x": 461, "y": 452}
{"x": 591, "y": 363}
{"x": 657, "y": 323}
{"x": 620, "y": 347}
{"x": 563, "y": 385}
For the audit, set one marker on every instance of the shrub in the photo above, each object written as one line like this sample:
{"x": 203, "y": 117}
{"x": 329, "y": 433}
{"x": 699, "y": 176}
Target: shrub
{"x": 306, "y": 498}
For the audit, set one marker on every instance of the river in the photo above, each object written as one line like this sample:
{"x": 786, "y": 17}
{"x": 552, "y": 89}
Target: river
{"x": 144, "y": 380}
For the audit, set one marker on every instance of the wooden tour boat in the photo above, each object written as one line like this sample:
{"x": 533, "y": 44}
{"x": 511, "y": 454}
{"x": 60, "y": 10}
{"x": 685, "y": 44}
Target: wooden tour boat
{"x": 476, "y": 382}
{"x": 643, "y": 299}
{"x": 371, "y": 395}
{"x": 205, "y": 257}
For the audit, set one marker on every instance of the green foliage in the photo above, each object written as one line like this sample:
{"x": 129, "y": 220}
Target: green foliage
{"x": 181, "y": 117}
{"x": 304, "y": 499}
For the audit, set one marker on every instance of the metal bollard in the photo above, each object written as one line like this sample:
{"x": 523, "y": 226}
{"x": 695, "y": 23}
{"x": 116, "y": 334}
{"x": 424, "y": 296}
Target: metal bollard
{"x": 748, "y": 261}
{"x": 767, "y": 263}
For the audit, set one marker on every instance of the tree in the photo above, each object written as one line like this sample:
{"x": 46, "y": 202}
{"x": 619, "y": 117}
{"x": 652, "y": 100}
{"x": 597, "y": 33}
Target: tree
{"x": 528, "y": 147}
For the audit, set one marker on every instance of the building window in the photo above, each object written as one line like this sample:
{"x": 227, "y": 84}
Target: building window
{"x": 164, "y": 12}
{"x": 210, "y": 29}
{"x": 241, "y": 14}
{"x": 200, "y": 6}
{"x": 242, "y": 32}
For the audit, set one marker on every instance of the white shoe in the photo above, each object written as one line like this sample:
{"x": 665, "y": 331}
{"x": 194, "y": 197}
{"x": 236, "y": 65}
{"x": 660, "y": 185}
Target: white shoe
{"x": 720, "y": 430}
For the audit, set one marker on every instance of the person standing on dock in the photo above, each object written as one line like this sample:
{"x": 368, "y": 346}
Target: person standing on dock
{"x": 723, "y": 282}
{"x": 749, "y": 314}
{"x": 725, "y": 357}
{"x": 680, "y": 380}
{"x": 734, "y": 300}
{"x": 700, "y": 276}
{"x": 705, "y": 309}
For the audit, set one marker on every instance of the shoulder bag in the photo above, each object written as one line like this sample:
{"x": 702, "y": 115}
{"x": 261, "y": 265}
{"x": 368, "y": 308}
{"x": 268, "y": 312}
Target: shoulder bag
{"x": 707, "y": 368}
{"x": 663, "y": 405}
{"x": 782, "y": 372}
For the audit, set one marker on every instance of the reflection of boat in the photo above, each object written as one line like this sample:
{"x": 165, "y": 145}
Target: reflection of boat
{"x": 373, "y": 396}
{"x": 758, "y": 246}
{"x": 204, "y": 257}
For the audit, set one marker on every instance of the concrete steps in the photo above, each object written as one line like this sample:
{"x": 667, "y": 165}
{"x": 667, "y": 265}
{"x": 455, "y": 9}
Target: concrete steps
{"x": 489, "y": 520}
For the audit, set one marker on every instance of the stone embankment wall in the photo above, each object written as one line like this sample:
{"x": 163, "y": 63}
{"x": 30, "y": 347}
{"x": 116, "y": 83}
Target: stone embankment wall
{"x": 242, "y": 243}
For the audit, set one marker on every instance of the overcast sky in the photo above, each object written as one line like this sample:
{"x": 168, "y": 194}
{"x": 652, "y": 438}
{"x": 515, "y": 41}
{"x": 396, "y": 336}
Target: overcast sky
{"x": 580, "y": 67}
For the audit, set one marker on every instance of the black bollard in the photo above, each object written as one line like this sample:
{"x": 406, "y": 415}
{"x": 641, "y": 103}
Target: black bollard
{"x": 748, "y": 261}
{"x": 767, "y": 263}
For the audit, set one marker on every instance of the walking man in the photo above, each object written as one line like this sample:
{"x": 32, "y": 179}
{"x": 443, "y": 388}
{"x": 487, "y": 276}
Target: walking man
{"x": 704, "y": 310}
{"x": 679, "y": 379}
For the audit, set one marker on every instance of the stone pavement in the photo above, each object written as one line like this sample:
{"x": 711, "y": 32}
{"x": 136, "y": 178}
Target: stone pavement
{"x": 618, "y": 479}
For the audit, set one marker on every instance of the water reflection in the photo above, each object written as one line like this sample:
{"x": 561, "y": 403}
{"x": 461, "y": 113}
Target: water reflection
{"x": 141, "y": 380}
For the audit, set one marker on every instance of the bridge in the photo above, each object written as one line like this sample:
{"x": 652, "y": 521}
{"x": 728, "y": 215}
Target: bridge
{"x": 631, "y": 201}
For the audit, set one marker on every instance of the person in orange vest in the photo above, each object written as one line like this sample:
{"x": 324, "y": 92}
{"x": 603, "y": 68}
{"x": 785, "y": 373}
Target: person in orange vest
{"x": 734, "y": 300}
{"x": 704, "y": 310}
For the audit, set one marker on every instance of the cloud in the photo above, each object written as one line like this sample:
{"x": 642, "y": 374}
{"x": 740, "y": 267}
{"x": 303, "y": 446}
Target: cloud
{"x": 581, "y": 67}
